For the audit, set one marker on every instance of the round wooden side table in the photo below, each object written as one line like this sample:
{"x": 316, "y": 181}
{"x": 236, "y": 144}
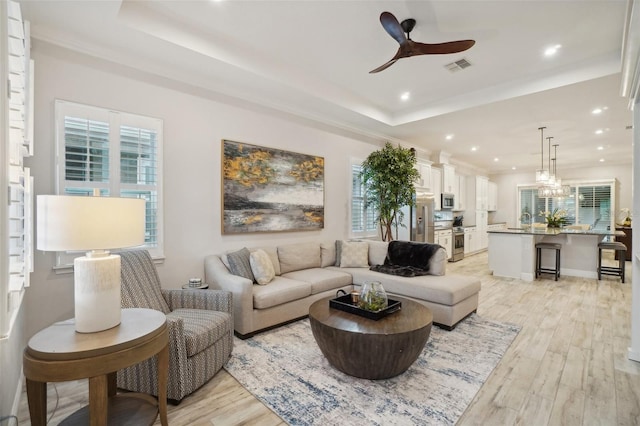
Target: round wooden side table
{"x": 58, "y": 353}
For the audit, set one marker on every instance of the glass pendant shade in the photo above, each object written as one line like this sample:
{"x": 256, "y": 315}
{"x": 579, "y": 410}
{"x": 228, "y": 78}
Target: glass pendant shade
{"x": 542, "y": 176}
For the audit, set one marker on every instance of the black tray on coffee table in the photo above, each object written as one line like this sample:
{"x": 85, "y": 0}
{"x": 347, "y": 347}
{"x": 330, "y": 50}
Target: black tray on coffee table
{"x": 344, "y": 303}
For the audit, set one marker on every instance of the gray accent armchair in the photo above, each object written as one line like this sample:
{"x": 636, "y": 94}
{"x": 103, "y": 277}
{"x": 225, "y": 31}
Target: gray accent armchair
{"x": 200, "y": 329}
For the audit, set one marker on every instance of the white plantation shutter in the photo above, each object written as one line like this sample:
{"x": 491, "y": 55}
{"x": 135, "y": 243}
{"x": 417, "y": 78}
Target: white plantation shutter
{"x": 589, "y": 203}
{"x": 595, "y": 206}
{"x": 363, "y": 218}
{"x": 16, "y": 123}
{"x": 117, "y": 153}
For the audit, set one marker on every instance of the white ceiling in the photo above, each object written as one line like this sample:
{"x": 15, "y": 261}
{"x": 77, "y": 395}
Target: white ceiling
{"x": 312, "y": 58}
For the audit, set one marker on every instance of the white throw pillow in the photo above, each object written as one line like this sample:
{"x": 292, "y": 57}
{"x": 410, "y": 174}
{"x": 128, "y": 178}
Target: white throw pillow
{"x": 354, "y": 254}
{"x": 262, "y": 267}
{"x": 377, "y": 252}
{"x": 438, "y": 262}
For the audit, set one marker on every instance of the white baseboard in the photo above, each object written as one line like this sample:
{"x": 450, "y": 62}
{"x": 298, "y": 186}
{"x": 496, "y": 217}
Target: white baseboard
{"x": 16, "y": 399}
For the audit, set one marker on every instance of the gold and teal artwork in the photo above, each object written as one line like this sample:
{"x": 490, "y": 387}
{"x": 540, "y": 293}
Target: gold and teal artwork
{"x": 270, "y": 190}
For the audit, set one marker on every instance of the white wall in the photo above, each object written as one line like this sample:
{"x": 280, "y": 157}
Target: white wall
{"x": 193, "y": 129}
{"x": 508, "y": 192}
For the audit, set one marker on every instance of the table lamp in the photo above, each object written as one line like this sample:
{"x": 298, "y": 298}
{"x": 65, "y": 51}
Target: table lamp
{"x": 95, "y": 225}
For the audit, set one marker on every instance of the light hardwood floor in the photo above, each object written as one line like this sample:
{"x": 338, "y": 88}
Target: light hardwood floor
{"x": 568, "y": 365}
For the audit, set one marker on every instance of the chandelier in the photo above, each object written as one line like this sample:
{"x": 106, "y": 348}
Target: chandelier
{"x": 549, "y": 184}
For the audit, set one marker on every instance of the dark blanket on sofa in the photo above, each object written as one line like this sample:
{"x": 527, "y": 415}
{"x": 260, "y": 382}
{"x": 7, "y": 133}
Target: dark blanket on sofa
{"x": 407, "y": 259}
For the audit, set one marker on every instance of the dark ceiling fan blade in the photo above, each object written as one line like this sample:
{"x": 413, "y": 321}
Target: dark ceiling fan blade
{"x": 441, "y": 48}
{"x": 383, "y": 67}
{"x": 392, "y": 27}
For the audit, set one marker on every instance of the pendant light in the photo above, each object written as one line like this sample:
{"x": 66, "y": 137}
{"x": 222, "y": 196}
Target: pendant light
{"x": 559, "y": 189}
{"x": 542, "y": 175}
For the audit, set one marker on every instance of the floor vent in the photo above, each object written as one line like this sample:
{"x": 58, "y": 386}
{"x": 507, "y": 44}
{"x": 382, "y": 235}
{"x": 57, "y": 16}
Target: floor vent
{"x": 458, "y": 65}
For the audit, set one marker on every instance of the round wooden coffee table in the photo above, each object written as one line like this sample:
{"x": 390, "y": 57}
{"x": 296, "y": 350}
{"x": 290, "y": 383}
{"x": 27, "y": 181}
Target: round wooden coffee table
{"x": 367, "y": 348}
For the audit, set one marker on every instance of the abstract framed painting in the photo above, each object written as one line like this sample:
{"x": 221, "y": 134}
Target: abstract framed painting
{"x": 270, "y": 190}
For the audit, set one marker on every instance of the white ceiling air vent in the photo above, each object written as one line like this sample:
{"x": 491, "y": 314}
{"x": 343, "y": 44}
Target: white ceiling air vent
{"x": 458, "y": 65}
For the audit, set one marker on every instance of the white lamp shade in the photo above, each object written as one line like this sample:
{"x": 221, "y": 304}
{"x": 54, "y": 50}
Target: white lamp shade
{"x": 89, "y": 223}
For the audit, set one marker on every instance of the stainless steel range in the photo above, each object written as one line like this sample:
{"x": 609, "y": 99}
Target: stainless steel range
{"x": 458, "y": 244}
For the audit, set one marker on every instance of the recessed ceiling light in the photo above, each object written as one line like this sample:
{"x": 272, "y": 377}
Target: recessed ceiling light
{"x": 550, "y": 51}
{"x": 496, "y": 159}
{"x": 474, "y": 148}
{"x": 602, "y": 160}
{"x": 596, "y": 111}
{"x": 513, "y": 167}
{"x": 600, "y": 148}
{"x": 405, "y": 96}
{"x": 449, "y": 137}
{"x": 599, "y": 132}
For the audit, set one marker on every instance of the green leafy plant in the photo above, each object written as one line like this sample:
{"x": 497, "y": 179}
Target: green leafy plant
{"x": 389, "y": 175}
{"x": 555, "y": 219}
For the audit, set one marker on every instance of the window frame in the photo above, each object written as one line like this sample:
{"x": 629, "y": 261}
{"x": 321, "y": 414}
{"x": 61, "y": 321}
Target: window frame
{"x": 575, "y": 186}
{"x": 366, "y": 233}
{"x": 114, "y": 186}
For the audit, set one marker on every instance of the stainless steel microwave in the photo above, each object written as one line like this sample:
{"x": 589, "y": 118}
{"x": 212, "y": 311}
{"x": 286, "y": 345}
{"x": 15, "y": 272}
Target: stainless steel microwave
{"x": 446, "y": 201}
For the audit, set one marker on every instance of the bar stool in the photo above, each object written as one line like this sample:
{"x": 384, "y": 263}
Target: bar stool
{"x": 539, "y": 269}
{"x": 621, "y": 251}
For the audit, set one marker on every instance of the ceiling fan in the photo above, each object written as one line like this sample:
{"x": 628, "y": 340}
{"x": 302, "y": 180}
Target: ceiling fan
{"x": 409, "y": 47}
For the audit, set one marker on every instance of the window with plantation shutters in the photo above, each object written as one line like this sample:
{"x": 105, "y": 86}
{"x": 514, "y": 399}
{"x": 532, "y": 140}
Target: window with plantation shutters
{"x": 115, "y": 153}
{"x": 16, "y": 138}
{"x": 363, "y": 217}
{"x": 590, "y": 203}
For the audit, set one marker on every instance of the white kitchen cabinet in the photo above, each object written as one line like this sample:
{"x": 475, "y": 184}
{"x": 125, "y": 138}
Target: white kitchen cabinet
{"x": 470, "y": 240}
{"x": 448, "y": 179}
{"x": 445, "y": 239}
{"x": 492, "y": 196}
{"x": 460, "y": 193}
{"x": 476, "y": 193}
{"x": 482, "y": 184}
{"x": 481, "y": 229}
{"x": 425, "y": 175}
{"x": 436, "y": 186}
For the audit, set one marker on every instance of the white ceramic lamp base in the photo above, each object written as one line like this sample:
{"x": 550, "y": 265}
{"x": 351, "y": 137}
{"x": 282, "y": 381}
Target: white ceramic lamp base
{"x": 97, "y": 292}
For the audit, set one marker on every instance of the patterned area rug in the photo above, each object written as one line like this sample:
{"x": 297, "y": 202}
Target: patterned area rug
{"x": 285, "y": 369}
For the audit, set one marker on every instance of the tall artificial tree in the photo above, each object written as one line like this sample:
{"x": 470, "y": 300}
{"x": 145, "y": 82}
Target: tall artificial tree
{"x": 388, "y": 176}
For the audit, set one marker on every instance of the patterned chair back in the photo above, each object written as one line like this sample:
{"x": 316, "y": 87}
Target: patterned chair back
{"x": 140, "y": 282}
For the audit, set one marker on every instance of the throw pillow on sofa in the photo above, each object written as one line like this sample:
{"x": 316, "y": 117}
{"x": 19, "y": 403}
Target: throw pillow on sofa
{"x": 354, "y": 254}
{"x": 240, "y": 264}
{"x": 262, "y": 267}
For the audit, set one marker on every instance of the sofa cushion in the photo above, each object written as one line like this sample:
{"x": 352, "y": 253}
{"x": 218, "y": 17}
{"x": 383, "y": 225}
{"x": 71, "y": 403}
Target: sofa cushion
{"x": 338, "y": 251}
{"x": 239, "y": 263}
{"x": 354, "y": 254}
{"x": 327, "y": 254}
{"x": 294, "y": 257}
{"x": 261, "y": 267}
{"x": 202, "y": 328}
{"x": 321, "y": 279}
{"x": 377, "y": 252}
{"x": 280, "y": 290}
{"x": 446, "y": 290}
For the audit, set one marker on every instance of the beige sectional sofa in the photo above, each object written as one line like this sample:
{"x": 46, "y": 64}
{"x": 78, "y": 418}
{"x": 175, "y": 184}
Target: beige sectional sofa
{"x": 305, "y": 272}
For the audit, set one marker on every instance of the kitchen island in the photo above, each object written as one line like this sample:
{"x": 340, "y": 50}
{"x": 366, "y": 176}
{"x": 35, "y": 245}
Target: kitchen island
{"x": 512, "y": 252}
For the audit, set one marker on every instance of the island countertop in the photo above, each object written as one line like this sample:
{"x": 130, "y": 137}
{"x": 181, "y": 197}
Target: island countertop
{"x": 512, "y": 252}
{"x": 556, "y": 231}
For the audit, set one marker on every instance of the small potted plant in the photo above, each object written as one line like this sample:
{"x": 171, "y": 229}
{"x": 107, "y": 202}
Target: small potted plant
{"x": 556, "y": 219}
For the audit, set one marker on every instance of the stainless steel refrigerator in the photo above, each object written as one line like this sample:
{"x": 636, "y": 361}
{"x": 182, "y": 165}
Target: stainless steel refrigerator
{"x": 421, "y": 220}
